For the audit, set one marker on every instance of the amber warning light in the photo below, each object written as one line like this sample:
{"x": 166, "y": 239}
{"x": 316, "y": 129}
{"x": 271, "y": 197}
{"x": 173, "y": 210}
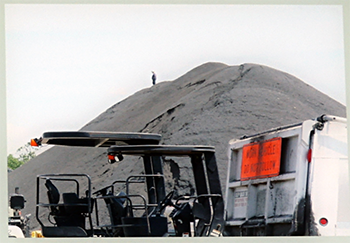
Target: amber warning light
{"x": 261, "y": 159}
{"x": 115, "y": 158}
{"x": 35, "y": 142}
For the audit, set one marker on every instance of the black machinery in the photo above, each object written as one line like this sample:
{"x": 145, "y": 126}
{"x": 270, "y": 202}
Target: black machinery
{"x": 16, "y": 218}
{"x": 77, "y": 214}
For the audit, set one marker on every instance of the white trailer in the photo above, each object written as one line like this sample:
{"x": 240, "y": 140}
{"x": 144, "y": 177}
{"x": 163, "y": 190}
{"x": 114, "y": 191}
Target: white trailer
{"x": 291, "y": 180}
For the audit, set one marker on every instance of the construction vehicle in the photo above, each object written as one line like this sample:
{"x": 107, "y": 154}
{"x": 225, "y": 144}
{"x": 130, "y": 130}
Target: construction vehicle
{"x": 291, "y": 180}
{"x": 288, "y": 181}
{"x": 79, "y": 212}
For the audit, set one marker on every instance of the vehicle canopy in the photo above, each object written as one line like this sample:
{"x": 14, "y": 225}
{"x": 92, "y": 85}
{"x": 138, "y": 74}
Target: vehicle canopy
{"x": 97, "y": 139}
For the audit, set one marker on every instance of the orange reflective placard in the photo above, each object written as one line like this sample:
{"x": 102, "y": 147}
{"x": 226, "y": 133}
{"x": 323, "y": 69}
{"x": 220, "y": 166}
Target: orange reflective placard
{"x": 261, "y": 159}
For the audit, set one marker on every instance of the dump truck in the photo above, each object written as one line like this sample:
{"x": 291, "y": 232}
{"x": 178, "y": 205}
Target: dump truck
{"x": 291, "y": 180}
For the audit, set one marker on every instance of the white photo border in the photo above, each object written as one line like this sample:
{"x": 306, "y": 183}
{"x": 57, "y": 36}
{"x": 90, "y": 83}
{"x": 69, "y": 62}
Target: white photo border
{"x": 3, "y": 148}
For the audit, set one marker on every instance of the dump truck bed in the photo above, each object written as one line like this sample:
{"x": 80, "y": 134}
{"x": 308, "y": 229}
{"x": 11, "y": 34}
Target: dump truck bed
{"x": 270, "y": 182}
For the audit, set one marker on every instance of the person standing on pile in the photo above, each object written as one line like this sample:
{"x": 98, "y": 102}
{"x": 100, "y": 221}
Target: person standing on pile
{"x": 154, "y": 78}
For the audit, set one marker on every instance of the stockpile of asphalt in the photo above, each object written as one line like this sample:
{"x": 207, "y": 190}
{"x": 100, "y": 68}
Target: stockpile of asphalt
{"x": 209, "y": 105}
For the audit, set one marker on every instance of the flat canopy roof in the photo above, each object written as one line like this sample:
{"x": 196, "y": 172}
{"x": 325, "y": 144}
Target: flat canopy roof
{"x": 169, "y": 150}
{"x": 99, "y": 139}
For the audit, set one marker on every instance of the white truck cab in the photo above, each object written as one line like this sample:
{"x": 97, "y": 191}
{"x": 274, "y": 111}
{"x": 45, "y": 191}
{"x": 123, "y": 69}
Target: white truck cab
{"x": 290, "y": 180}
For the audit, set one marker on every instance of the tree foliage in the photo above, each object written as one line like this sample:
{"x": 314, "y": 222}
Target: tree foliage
{"x": 13, "y": 162}
{"x": 25, "y": 153}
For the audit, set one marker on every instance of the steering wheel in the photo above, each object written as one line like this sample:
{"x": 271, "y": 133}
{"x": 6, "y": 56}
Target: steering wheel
{"x": 165, "y": 202}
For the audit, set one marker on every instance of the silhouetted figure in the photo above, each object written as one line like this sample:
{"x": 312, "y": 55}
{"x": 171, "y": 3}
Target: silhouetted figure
{"x": 154, "y": 78}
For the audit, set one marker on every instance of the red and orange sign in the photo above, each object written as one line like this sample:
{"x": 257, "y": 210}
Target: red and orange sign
{"x": 261, "y": 159}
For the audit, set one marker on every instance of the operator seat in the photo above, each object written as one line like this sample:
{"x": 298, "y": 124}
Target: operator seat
{"x": 54, "y": 198}
{"x": 68, "y": 224}
{"x": 117, "y": 210}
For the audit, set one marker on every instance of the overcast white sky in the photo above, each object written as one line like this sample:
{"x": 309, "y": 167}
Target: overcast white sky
{"x": 66, "y": 64}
